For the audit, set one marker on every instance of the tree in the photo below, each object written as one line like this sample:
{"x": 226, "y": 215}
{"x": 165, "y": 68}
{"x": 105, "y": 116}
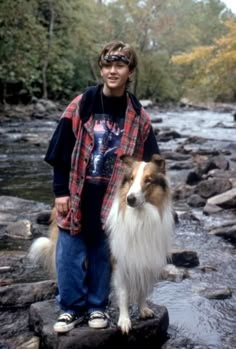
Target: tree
{"x": 20, "y": 38}
{"x": 213, "y": 68}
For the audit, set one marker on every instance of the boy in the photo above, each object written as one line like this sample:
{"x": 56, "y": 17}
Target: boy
{"x": 96, "y": 128}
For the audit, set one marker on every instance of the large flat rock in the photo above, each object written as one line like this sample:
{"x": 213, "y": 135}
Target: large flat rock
{"x": 149, "y": 333}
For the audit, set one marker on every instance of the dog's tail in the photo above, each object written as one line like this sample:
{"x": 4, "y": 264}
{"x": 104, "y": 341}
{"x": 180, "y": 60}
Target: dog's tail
{"x": 42, "y": 251}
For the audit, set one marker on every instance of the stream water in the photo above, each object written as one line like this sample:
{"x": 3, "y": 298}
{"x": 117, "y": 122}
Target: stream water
{"x": 205, "y": 323}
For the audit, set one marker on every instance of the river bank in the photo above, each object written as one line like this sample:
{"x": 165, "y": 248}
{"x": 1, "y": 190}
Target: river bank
{"x": 41, "y": 109}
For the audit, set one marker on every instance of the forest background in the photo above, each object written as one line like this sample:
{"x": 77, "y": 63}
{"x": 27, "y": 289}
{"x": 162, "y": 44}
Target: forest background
{"x": 49, "y": 48}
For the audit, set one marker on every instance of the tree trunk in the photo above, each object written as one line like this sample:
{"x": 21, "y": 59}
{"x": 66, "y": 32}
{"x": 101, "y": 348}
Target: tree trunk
{"x": 46, "y": 60}
{"x": 93, "y": 70}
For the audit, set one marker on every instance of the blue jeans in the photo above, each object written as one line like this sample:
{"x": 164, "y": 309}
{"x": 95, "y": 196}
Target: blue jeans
{"x": 83, "y": 272}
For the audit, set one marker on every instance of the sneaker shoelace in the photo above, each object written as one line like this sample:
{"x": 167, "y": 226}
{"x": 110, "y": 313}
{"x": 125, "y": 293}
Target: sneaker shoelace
{"x": 98, "y": 315}
{"x": 65, "y": 316}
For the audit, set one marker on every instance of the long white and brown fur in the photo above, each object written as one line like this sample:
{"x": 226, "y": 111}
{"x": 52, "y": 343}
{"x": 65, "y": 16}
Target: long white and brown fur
{"x": 43, "y": 249}
{"x": 140, "y": 225}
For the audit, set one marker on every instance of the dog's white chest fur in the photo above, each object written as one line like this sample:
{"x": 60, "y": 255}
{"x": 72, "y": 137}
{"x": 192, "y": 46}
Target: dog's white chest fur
{"x": 140, "y": 244}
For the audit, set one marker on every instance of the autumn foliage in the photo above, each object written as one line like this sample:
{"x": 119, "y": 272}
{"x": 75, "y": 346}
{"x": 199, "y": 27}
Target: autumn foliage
{"x": 213, "y": 68}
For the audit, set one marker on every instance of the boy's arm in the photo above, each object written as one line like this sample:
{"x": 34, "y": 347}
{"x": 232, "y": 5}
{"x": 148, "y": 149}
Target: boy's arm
{"x": 150, "y": 146}
{"x": 59, "y": 156}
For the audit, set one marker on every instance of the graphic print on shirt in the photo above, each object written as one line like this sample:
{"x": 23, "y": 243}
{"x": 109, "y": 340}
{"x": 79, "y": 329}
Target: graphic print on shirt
{"x": 107, "y": 137}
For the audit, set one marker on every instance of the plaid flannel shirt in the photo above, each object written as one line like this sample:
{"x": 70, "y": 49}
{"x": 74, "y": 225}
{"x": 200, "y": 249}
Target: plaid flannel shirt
{"x": 136, "y": 130}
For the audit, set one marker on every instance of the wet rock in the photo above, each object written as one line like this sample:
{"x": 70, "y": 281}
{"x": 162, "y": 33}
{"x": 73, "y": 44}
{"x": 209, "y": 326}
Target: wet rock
{"x": 5, "y": 268}
{"x": 172, "y": 273}
{"x": 43, "y": 108}
{"x": 166, "y": 136}
{"x": 32, "y": 343}
{"x": 196, "y": 200}
{"x": 182, "y": 191}
{"x": 228, "y": 232}
{"x": 224, "y": 200}
{"x": 13, "y": 265}
{"x": 149, "y": 333}
{"x": 14, "y": 323}
{"x": 207, "y": 268}
{"x": 19, "y": 230}
{"x": 24, "y": 341}
{"x": 156, "y": 120}
{"x": 20, "y": 295}
{"x": 230, "y": 174}
{"x": 181, "y": 165}
{"x": 184, "y": 258}
{"x": 174, "y": 155}
{"x": 183, "y": 150}
{"x": 193, "y": 177}
{"x": 221, "y": 162}
{"x": 212, "y": 187}
{"x": 20, "y": 208}
{"x": 205, "y": 164}
{"x": 188, "y": 216}
{"x": 146, "y": 103}
{"x": 216, "y": 293}
{"x": 211, "y": 209}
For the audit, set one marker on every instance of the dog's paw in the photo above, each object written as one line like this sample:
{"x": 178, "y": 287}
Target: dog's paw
{"x": 146, "y": 313}
{"x": 125, "y": 324}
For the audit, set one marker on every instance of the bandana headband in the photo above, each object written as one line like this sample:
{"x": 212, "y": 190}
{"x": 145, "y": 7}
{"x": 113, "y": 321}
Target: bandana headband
{"x": 116, "y": 58}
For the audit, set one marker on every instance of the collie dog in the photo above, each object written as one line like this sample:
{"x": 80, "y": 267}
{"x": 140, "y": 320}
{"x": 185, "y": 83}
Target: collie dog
{"x": 139, "y": 228}
{"x": 140, "y": 225}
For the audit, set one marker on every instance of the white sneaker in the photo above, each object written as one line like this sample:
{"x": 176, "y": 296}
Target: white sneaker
{"x": 98, "y": 319}
{"x": 66, "y": 322}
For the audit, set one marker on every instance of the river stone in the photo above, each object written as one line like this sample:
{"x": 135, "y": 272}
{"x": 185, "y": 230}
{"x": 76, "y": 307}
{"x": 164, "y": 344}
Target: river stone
{"x": 224, "y": 200}
{"x": 23, "y": 341}
{"x": 32, "y": 343}
{"x": 150, "y": 332}
{"x": 182, "y": 191}
{"x": 19, "y": 230}
{"x": 227, "y": 232}
{"x": 216, "y": 293}
{"x": 196, "y": 200}
{"x": 146, "y": 103}
{"x": 181, "y": 165}
{"x": 20, "y": 295}
{"x": 210, "y": 209}
{"x": 184, "y": 258}
{"x": 172, "y": 273}
{"x": 213, "y": 186}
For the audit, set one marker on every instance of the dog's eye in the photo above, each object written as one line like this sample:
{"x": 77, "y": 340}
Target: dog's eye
{"x": 131, "y": 178}
{"x": 148, "y": 180}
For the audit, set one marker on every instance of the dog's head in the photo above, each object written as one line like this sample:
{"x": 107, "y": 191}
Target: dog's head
{"x": 144, "y": 182}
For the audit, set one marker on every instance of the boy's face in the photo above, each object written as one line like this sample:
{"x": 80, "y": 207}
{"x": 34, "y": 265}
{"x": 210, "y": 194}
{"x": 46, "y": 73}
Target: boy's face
{"x": 115, "y": 73}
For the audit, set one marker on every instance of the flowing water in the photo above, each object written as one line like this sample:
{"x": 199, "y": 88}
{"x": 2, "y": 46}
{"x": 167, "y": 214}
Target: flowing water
{"x": 205, "y": 323}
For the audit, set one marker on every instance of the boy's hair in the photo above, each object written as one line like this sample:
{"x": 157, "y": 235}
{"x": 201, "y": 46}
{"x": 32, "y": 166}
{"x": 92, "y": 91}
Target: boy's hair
{"x": 119, "y": 46}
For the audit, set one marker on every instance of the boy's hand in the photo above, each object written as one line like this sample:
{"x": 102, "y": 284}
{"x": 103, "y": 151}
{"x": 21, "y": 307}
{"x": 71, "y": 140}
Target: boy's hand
{"x": 62, "y": 205}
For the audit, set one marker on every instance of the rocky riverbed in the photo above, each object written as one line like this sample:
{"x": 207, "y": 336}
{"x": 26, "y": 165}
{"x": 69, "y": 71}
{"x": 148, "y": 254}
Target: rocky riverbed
{"x": 196, "y": 299}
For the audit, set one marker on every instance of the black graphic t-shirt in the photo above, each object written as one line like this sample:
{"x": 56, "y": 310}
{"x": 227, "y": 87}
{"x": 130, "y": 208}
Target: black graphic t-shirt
{"x": 108, "y": 131}
{"x": 109, "y": 119}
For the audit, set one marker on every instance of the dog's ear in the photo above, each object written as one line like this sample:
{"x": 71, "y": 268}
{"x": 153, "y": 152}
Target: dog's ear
{"x": 127, "y": 160}
{"x": 159, "y": 162}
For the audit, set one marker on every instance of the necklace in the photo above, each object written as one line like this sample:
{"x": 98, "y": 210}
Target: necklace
{"x": 102, "y": 103}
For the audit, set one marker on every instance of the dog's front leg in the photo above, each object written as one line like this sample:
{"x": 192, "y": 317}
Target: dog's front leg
{"x": 124, "y": 321}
